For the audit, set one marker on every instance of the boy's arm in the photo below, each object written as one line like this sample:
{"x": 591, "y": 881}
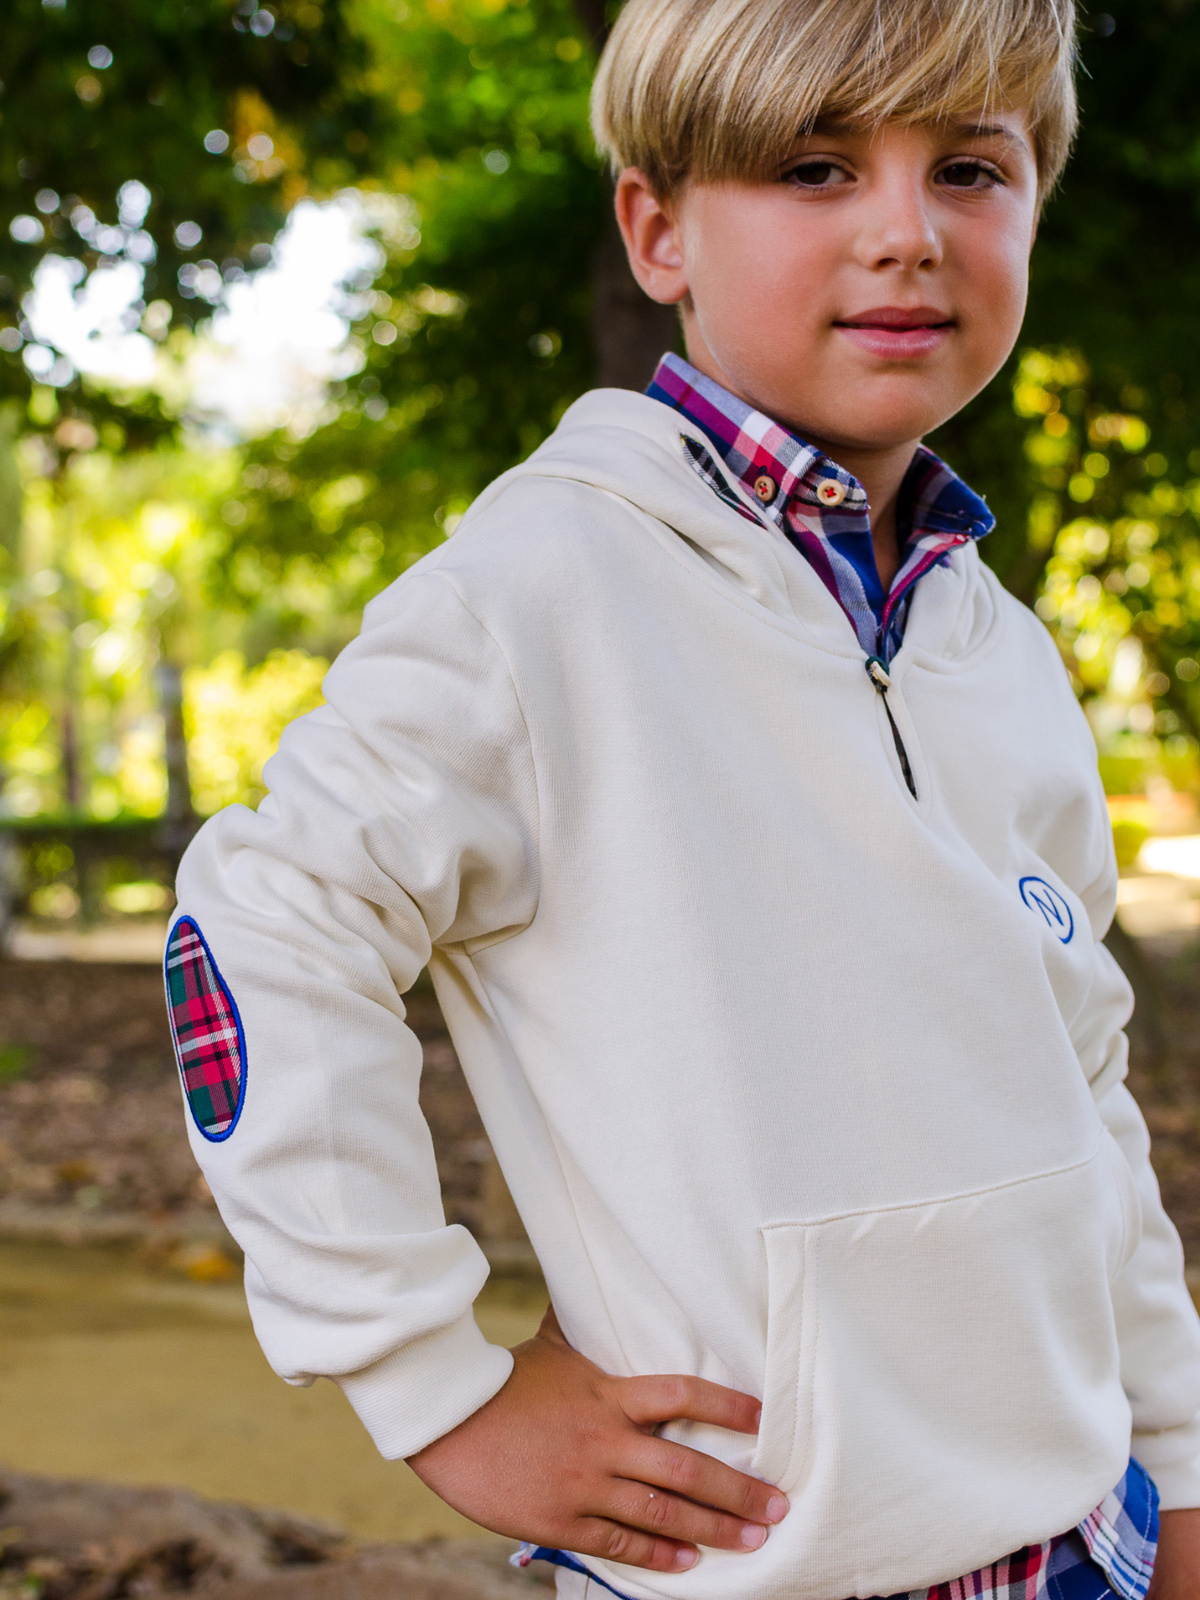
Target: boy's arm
{"x": 1157, "y": 1326}
{"x": 402, "y": 813}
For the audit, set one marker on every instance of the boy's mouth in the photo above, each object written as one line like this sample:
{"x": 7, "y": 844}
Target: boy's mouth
{"x": 898, "y": 333}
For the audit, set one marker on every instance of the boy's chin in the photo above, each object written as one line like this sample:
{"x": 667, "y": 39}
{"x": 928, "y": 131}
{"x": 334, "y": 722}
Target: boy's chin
{"x": 867, "y": 425}
{"x": 855, "y": 439}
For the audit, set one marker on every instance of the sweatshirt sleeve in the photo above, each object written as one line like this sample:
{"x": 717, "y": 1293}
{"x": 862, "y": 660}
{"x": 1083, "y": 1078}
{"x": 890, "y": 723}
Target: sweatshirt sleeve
{"x": 1157, "y": 1326}
{"x": 401, "y": 815}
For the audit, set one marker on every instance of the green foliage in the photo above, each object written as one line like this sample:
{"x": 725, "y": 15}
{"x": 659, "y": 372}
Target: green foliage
{"x": 1116, "y": 541}
{"x": 105, "y": 108}
{"x": 1116, "y": 272}
{"x": 114, "y": 554}
{"x": 15, "y": 1061}
{"x": 475, "y": 334}
{"x": 1128, "y": 838}
{"x": 234, "y": 718}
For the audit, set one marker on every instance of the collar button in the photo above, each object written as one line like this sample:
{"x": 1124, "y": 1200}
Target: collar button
{"x": 830, "y": 492}
{"x": 765, "y": 488}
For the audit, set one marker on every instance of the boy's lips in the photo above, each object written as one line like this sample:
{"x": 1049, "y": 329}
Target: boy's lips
{"x": 897, "y": 332}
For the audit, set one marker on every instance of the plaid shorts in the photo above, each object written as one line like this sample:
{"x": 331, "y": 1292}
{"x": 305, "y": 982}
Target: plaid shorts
{"x": 1110, "y": 1552}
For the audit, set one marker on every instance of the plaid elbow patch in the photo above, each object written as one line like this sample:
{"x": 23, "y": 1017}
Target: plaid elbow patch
{"x": 209, "y": 1044}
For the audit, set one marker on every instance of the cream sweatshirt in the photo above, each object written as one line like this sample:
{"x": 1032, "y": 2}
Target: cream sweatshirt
{"x": 800, "y": 1084}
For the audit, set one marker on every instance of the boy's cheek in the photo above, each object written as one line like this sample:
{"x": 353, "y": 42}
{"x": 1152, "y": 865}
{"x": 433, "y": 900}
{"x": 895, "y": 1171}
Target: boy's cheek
{"x": 769, "y": 321}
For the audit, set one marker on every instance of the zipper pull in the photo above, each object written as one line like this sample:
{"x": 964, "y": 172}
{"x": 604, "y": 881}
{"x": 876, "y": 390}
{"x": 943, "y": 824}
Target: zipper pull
{"x": 882, "y": 679}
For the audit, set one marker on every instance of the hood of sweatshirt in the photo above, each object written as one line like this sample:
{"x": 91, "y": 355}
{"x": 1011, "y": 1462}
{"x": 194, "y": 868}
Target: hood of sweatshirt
{"x": 632, "y": 447}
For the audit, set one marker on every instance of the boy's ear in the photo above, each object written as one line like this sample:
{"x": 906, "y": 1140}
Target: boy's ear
{"x": 650, "y": 230}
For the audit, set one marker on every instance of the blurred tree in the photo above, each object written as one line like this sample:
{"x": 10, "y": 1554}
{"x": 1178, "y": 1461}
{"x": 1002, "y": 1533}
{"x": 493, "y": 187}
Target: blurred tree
{"x": 235, "y": 716}
{"x": 1119, "y": 538}
{"x": 500, "y": 301}
{"x": 170, "y": 140}
{"x": 475, "y": 337}
{"x": 116, "y": 550}
{"x": 172, "y": 136}
{"x": 505, "y": 292}
{"x": 1116, "y": 269}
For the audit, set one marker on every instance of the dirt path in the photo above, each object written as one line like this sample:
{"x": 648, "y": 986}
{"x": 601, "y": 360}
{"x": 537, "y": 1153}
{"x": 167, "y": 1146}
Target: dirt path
{"x": 71, "y": 1540}
{"x": 115, "y": 1367}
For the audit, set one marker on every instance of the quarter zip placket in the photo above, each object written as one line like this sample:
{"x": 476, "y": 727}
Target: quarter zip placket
{"x": 882, "y": 679}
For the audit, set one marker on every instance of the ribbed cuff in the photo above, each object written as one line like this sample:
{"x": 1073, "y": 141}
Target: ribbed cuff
{"x": 419, "y": 1392}
{"x": 1172, "y": 1458}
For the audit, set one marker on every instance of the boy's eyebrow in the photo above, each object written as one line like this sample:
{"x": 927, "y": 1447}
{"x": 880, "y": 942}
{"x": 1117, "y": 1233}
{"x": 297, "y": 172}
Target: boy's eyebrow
{"x": 967, "y": 129}
{"x": 831, "y": 127}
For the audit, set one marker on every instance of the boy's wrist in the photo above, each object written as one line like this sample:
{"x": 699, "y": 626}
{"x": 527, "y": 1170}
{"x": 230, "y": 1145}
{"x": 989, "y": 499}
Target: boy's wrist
{"x": 427, "y": 1387}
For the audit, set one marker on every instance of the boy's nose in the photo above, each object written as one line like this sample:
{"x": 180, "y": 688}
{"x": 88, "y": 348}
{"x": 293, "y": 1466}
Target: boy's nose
{"x": 899, "y": 232}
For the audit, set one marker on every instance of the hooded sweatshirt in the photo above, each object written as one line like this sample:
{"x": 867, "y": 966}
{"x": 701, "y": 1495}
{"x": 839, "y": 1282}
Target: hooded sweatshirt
{"x": 802, "y": 1083}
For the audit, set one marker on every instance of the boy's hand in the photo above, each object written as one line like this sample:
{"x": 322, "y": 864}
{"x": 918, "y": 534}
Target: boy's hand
{"x": 567, "y": 1456}
{"x": 1177, "y": 1568}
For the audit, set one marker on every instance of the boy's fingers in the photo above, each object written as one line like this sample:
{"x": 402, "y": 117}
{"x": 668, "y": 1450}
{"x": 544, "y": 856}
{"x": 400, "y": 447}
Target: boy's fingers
{"x": 662, "y": 1464}
{"x": 649, "y": 1401}
{"x": 637, "y": 1505}
{"x": 611, "y": 1541}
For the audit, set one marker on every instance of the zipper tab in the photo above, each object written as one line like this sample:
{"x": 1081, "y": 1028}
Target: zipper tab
{"x": 882, "y": 679}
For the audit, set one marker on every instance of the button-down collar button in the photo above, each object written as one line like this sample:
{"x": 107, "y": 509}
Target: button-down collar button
{"x": 830, "y": 492}
{"x": 765, "y": 488}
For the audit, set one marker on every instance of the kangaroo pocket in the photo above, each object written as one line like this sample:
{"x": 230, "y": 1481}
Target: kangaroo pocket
{"x": 942, "y": 1381}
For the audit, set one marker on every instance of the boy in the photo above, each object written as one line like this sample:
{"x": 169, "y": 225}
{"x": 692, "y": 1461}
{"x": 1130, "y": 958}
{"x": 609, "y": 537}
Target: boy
{"x": 754, "y": 840}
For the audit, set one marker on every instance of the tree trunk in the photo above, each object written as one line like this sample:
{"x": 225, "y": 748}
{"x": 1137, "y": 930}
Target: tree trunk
{"x": 72, "y": 778}
{"x": 593, "y": 16}
{"x": 629, "y": 330}
{"x": 179, "y": 818}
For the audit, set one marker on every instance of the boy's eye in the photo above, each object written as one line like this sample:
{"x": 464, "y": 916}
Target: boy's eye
{"x": 818, "y": 175}
{"x": 967, "y": 175}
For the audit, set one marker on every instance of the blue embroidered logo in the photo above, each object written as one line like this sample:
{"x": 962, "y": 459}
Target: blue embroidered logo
{"x": 1039, "y": 896}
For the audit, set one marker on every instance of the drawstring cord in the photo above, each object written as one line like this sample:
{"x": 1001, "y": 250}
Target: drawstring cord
{"x": 882, "y": 679}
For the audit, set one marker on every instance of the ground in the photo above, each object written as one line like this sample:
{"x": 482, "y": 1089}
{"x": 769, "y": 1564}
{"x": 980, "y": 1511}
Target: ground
{"x": 1165, "y": 1075}
{"x": 70, "y": 1540}
{"x": 92, "y": 1126}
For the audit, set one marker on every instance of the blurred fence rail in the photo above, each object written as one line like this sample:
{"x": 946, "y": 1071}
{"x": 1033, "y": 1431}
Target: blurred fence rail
{"x": 86, "y": 861}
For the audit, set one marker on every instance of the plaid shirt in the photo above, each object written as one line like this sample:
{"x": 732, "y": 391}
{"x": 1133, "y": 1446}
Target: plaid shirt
{"x": 1110, "y": 1552}
{"x": 820, "y": 507}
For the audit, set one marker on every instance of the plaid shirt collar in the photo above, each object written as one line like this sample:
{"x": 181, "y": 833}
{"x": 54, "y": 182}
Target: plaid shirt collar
{"x": 820, "y": 507}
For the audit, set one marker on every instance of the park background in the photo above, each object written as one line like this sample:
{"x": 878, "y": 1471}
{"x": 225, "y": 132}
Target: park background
{"x": 282, "y": 286}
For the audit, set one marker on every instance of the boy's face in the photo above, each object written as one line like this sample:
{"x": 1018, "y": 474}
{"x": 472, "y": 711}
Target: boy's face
{"x": 867, "y": 293}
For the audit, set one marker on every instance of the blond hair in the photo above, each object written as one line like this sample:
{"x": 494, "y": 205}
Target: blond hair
{"x": 719, "y": 90}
